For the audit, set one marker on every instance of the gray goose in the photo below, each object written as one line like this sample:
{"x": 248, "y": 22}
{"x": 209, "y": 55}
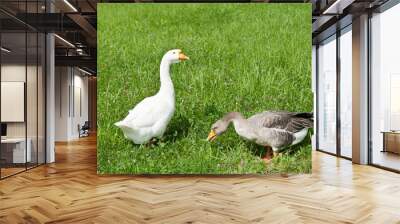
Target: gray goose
{"x": 271, "y": 129}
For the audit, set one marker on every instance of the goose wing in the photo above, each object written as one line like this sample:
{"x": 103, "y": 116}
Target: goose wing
{"x": 146, "y": 113}
{"x": 276, "y": 138}
{"x": 288, "y": 121}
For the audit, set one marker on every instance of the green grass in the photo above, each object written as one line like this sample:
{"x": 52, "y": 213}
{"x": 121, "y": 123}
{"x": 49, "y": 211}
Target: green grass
{"x": 244, "y": 57}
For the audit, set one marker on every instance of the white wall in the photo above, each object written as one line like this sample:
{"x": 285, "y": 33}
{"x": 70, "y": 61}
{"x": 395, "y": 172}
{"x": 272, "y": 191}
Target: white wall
{"x": 70, "y": 83}
{"x": 62, "y": 82}
{"x": 80, "y": 84}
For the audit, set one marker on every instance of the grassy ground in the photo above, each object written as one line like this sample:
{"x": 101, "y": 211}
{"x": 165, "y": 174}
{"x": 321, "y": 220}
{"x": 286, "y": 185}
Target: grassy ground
{"x": 244, "y": 57}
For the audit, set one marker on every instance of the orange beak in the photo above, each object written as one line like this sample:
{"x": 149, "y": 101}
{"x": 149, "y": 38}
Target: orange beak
{"x": 183, "y": 57}
{"x": 211, "y": 136}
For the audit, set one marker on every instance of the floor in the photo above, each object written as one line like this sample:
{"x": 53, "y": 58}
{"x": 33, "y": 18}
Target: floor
{"x": 5, "y": 172}
{"x": 69, "y": 191}
{"x": 387, "y": 159}
{"x": 10, "y": 171}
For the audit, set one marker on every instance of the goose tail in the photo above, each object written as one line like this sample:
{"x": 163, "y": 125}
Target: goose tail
{"x": 120, "y": 124}
{"x": 132, "y": 133}
{"x": 306, "y": 119}
{"x": 126, "y": 128}
{"x": 309, "y": 115}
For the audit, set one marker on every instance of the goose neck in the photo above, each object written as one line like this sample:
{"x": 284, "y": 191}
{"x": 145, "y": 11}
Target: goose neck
{"x": 239, "y": 123}
{"x": 242, "y": 127}
{"x": 165, "y": 78}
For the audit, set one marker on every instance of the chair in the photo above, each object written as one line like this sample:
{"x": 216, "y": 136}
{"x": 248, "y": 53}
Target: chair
{"x": 84, "y": 130}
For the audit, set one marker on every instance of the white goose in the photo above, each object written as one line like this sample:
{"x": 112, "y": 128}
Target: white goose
{"x": 149, "y": 118}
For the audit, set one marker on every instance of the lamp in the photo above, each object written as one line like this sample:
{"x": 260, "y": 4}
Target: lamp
{"x": 70, "y": 5}
{"x": 64, "y": 40}
{"x": 5, "y": 50}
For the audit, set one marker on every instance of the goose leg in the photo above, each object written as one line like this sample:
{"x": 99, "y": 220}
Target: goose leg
{"x": 152, "y": 142}
{"x": 268, "y": 155}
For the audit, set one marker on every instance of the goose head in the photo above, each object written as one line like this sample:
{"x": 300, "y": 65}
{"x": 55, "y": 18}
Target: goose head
{"x": 175, "y": 56}
{"x": 220, "y": 126}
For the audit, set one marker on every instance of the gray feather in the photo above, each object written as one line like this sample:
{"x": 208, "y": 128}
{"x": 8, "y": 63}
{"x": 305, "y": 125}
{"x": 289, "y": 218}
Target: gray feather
{"x": 275, "y": 138}
{"x": 289, "y": 121}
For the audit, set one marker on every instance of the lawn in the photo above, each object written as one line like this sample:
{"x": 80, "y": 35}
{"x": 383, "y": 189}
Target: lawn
{"x": 244, "y": 57}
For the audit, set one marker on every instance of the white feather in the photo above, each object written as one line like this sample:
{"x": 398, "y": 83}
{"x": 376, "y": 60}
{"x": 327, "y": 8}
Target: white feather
{"x": 299, "y": 136}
